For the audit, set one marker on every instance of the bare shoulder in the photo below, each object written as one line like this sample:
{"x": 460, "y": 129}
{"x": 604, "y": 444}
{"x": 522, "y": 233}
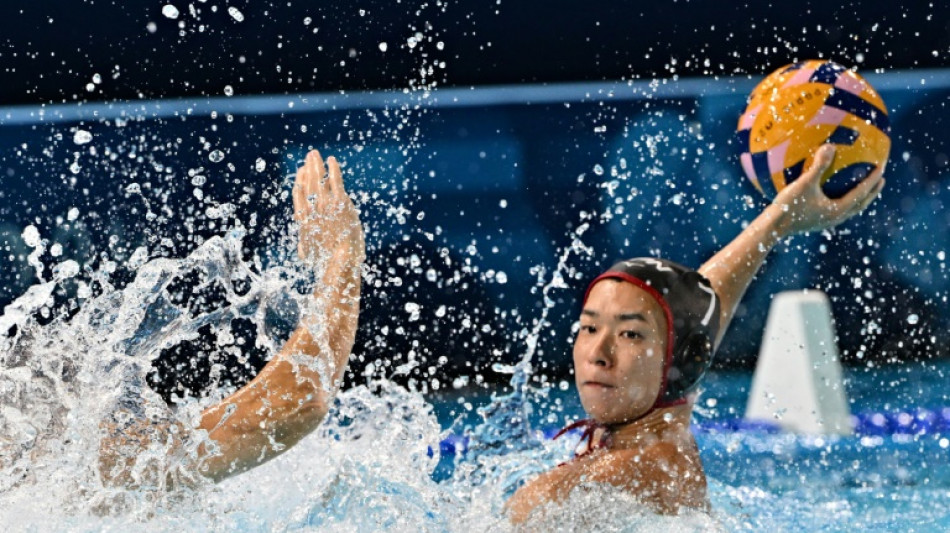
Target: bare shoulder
{"x": 540, "y": 490}
{"x": 664, "y": 474}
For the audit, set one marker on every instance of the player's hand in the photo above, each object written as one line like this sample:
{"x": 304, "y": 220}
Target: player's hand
{"x": 809, "y": 209}
{"x": 329, "y": 222}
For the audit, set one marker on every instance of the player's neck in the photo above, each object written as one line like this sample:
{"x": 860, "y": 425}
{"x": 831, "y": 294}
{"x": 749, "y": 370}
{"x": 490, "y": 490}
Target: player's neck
{"x": 664, "y": 423}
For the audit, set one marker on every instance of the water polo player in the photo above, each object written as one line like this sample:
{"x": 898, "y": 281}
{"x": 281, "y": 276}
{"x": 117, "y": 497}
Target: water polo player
{"x": 648, "y": 331}
{"x": 291, "y": 395}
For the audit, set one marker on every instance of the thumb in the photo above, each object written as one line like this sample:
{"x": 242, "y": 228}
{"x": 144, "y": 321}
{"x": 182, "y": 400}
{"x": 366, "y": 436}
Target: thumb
{"x": 823, "y": 158}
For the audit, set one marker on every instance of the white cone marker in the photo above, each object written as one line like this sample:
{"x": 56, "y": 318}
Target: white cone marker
{"x": 797, "y": 383}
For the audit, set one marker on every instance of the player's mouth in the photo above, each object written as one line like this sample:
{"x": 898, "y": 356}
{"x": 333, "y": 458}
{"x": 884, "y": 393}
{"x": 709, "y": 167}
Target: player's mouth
{"x": 598, "y": 385}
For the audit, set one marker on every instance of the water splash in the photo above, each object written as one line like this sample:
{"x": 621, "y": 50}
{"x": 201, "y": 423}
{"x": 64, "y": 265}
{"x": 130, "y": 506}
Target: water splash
{"x": 67, "y": 383}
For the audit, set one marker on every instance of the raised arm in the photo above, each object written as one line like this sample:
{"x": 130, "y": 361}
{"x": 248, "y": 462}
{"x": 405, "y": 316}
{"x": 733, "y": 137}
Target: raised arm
{"x": 291, "y": 395}
{"x": 801, "y": 207}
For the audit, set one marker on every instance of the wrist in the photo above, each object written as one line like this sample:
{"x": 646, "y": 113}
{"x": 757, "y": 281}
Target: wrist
{"x": 776, "y": 221}
{"x": 768, "y": 229}
{"x": 343, "y": 268}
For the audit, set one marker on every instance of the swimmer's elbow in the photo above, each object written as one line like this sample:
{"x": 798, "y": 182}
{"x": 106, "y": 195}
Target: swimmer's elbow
{"x": 312, "y": 412}
{"x": 300, "y": 421}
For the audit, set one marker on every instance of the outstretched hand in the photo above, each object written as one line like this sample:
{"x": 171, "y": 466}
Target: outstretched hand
{"x": 809, "y": 209}
{"x": 329, "y": 222}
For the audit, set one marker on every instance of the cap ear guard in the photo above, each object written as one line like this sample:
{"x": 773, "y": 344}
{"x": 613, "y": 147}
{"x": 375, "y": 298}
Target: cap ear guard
{"x": 691, "y": 360}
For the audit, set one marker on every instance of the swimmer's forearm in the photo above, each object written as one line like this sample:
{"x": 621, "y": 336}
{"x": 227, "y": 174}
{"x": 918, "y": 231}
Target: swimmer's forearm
{"x": 731, "y": 270}
{"x": 289, "y": 398}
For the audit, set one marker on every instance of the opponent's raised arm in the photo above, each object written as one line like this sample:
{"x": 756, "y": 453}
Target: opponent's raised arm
{"x": 291, "y": 395}
{"x": 800, "y": 207}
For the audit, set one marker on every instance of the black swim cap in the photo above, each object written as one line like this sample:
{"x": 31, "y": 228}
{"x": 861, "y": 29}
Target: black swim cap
{"x": 691, "y": 307}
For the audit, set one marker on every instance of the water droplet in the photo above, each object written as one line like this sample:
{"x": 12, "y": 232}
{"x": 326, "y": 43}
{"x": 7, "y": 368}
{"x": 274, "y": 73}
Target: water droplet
{"x": 170, "y": 11}
{"x": 228, "y": 90}
{"x": 90, "y": 87}
{"x": 599, "y": 170}
{"x": 139, "y": 257}
{"x": 503, "y": 368}
{"x": 383, "y": 47}
{"x": 72, "y": 214}
{"x": 65, "y": 270}
{"x": 913, "y": 318}
{"x": 82, "y": 137}
{"x": 83, "y": 290}
{"x": 236, "y": 14}
{"x": 31, "y": 236}
{"x": 260, "y": 165}
{"x": 97, "y": 79}
{"x": 501, "y": 277}
{"x": 216, "y": 156}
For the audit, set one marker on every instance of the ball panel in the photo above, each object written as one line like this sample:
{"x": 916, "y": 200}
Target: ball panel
{"x": 793, "y": 172}
{"x": 786, "y": 113}
{"x": 861, "y": 108}
{"x": 827, "y": 73}
{"x": 760, "y": 165}
{"x": 845, "y": 178}
{"x": 746, "y": 160}
{"x": 827, "y": 115}
{"x": 852, "y": 84}
{"x": 843, "y": 136}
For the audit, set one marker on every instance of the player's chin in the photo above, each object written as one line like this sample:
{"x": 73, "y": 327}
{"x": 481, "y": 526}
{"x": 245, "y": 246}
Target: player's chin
{"x": 602, "y": 411}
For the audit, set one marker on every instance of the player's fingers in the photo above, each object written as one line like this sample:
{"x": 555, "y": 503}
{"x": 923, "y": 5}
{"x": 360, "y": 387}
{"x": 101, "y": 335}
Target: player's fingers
{"x": 875, "y": 192}
{"x": 300, "y": 200}
{"x": 335, "y": 181}
{"x": 867, "y": 187}
{"x": 320, "y": 169}
{"x": 823, "y": 158}
{"x": 315, "y": 172}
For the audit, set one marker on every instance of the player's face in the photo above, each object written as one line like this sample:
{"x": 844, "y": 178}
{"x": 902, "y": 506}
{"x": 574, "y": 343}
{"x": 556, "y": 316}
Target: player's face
{"x": 619, "y": 352}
